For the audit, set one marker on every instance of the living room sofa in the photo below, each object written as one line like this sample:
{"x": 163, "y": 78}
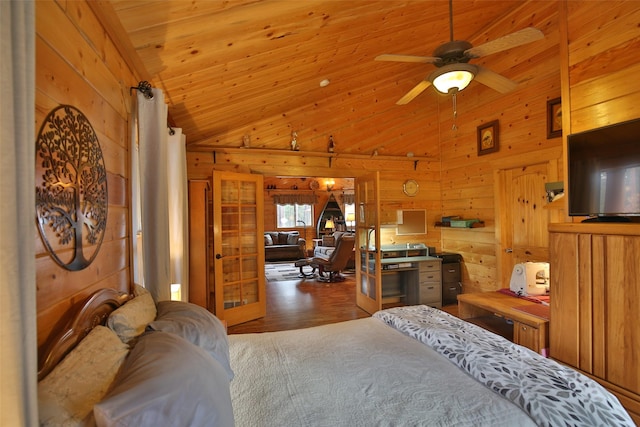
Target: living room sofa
{"x": 283, "y": 246}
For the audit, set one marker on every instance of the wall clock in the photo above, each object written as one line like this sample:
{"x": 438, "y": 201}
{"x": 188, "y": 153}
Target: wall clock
{"x": 314, "y": 185}
{"x": 410, "y": 187}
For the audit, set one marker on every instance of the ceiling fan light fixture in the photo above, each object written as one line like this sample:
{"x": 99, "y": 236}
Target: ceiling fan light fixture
{"x": 454, "y": 77}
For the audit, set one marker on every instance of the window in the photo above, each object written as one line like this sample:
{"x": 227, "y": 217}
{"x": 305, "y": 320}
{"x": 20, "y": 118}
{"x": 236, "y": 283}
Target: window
{"x": 294, "y": 215}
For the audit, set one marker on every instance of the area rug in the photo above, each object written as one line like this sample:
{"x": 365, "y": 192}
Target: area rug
{"x": 277, "y": 272}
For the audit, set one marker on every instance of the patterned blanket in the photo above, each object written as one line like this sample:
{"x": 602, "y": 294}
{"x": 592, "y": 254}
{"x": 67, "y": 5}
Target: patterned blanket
{"x": 552, "y": 394}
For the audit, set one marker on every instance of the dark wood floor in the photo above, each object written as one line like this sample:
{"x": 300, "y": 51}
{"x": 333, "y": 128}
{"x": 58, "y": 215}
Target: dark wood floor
{"x": 303, "y": 303}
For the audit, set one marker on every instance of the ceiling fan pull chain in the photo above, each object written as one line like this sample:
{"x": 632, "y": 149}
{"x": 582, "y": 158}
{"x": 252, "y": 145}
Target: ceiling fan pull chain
{"x": 455, "y": 112}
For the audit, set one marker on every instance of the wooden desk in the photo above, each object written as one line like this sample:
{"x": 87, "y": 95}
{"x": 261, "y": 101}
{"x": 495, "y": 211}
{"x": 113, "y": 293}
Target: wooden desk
{"x": 528, "y": 330}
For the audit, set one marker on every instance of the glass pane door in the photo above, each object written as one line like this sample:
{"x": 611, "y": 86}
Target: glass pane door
{"x": 238, "y": 247}
{"x": 368, "y": 267}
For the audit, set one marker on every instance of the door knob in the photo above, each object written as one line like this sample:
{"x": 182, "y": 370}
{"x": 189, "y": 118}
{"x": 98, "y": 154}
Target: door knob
{"x": 218, "y": 256}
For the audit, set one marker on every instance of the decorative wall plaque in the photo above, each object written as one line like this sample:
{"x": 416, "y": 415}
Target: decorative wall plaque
{"x": 71, "y": 198}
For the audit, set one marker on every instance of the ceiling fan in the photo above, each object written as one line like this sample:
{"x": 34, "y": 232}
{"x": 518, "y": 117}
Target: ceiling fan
{"x": 454, "y": 73}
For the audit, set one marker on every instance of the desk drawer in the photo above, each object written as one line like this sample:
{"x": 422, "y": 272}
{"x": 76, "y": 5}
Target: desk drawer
{"x": 430, "y": 292}
{"x": 426, "y": 266}
{"x": 430, "y": 276}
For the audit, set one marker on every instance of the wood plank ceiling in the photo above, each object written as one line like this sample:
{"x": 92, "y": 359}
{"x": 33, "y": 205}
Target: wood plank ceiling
{"x": 227, "y": 65}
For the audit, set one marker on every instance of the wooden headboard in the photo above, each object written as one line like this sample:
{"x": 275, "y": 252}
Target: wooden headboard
{"x": 92, "y": 312}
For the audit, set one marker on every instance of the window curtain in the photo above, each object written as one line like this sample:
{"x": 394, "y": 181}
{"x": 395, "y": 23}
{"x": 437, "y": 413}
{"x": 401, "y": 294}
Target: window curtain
{"x": 154, "y": 214}
{"x": 178, "y": 213}
{"x": 18, "y": 334}
{"x": 349, "y": 198}
{"x": 295, "y": 199}
{"x": 159, "y": 203}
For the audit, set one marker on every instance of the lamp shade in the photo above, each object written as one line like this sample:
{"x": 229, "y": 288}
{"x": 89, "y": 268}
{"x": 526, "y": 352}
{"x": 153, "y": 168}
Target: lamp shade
{"x": 351, "y": 217}
{"x": 329, "y": 224}
{"x": 453, "y": 77}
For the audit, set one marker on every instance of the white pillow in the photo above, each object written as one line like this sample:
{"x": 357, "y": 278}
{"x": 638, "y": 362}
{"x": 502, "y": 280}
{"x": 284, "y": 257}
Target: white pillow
{"x": 167, "y": 381}
{"x": 66, "y": 396}
{"x": 131, "y": 319}
{"x": 197, "y": 325}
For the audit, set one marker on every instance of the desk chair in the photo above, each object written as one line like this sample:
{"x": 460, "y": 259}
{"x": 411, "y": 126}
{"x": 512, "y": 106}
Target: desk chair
{"x": 336, "y": 262}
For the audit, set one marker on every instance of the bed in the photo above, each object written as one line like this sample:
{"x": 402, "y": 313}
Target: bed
{"x": 140, "y": 363}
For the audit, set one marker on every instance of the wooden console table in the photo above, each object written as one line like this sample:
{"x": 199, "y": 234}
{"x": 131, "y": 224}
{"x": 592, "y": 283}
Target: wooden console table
{"x": 483, "y": 308}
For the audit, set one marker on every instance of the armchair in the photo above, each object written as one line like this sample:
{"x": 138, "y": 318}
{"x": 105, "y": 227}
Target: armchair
{"x": 337, "y": 261}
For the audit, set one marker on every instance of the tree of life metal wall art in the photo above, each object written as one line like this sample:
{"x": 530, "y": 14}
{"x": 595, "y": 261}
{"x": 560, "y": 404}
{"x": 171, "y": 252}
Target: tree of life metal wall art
{"x": 71, "y": 199}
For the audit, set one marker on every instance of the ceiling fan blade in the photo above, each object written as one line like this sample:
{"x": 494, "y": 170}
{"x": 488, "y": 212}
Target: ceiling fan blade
{"x": 417, "y": 90}
{"x": 524, "y": 36}
{"x": 494, "y": 80}
{"x": 407, "y": 58}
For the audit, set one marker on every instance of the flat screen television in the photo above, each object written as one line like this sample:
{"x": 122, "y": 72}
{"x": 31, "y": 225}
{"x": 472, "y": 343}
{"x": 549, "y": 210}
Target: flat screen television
{"x": 604, "y": 172}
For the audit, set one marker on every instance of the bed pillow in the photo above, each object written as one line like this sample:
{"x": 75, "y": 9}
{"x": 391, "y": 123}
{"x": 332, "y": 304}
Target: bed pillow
{"x": 67, "y": 395}
{"x": 198, "y": 326}
{"x": 131, "y": 319}
{"x": 167, "y": 381}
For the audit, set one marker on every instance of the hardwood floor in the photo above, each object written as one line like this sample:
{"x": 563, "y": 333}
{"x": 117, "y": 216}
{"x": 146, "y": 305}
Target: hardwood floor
{"x": 302, "y": 303}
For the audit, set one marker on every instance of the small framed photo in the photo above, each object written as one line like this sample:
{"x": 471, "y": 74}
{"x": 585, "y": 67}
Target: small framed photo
{"x": 488, "y": 138}
{"x": 554, "y": 118}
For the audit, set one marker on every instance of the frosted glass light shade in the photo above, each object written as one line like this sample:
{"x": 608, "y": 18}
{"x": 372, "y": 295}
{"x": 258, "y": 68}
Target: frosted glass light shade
{"x": 452, "y": 77}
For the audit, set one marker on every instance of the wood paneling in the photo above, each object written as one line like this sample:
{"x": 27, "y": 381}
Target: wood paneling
{"x": 77, "y": 65}
{"x": 594, "y": 304}
{"x": 257, "y": 70}
{"x": 468, "y": 180}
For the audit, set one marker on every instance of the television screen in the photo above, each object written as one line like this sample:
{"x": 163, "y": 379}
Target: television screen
{"x": 604, "y": 171}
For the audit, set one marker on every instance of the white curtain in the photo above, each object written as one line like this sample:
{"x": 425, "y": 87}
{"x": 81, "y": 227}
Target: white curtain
{"x": 178, "y": 211}
{"x": 161, "y": 161}
{"x": 18, "y": 334}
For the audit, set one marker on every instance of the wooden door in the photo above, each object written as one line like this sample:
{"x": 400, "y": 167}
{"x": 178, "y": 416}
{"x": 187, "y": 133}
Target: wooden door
{"x": 368, "y": 267}
{"x": 238, "y": 246}
{"x": 521, "y": 220}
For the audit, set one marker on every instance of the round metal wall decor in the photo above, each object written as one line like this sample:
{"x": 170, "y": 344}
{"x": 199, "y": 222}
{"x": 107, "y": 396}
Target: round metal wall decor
{"x": 71, "y": 188}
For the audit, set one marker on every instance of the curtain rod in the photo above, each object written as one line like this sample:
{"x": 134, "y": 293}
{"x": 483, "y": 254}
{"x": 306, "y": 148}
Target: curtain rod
{"x": 145, "y": 88}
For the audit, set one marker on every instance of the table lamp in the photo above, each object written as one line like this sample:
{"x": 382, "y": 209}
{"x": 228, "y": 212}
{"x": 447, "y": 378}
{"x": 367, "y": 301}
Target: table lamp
{"x": 329, "y": 225}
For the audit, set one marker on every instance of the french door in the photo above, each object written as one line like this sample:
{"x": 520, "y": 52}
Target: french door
{"x": 238, "y": 246}
{"x": 368, "y": 267}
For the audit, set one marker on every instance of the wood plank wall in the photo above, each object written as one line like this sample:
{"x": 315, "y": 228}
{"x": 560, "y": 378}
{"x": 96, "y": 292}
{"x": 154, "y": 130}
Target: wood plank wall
{"x": 453, "y": 179}
{"x": 76, "y": 64}
{"x": 602, "y": 63}
{"x": 468, "y": 179}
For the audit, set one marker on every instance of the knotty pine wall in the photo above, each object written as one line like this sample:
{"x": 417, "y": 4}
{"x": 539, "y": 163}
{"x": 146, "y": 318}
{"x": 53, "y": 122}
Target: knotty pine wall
{"x": 453, "y": 179}
{"x": 468, "y": 179}
{"x": 76, "y": 64}
{"x": 602, "y": 64}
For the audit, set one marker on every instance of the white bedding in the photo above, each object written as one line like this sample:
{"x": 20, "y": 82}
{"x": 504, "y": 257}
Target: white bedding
{"x": 356, "y": 373}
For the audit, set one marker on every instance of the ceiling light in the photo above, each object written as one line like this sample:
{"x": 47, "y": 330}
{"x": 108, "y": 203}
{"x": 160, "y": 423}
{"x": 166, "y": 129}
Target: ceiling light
{"x": 453, "y": 77}
{"x": 324, "y": 83}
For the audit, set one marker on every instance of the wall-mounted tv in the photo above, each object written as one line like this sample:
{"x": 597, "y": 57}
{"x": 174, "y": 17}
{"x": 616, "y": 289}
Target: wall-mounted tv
{"x": 604, "y": 172}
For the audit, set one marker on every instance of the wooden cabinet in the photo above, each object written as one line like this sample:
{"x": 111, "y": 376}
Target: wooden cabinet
{"x": 528, "y": 336}
{"x": 495, "y": 311}
{"x": 595, "y": 304}
{"x": 199, "y": 243}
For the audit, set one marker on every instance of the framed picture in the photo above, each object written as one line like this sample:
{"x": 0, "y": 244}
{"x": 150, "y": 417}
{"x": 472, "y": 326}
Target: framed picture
{"x": 488, "y": 138}
{"x": 554, "y": 118}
